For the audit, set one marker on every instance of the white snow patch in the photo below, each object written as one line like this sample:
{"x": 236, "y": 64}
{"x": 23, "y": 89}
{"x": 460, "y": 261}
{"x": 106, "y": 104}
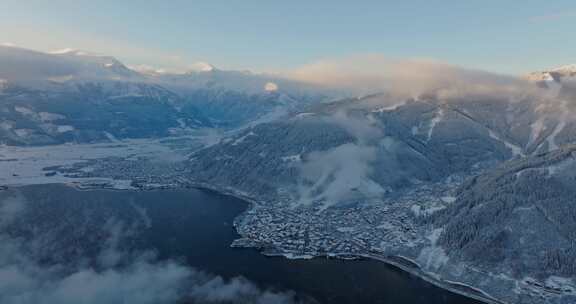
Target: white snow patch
{"x": 388, "y": 108}
{"x": 129, "y": 95}
{"x": 386, "y": 226}
{"x": 421, "y": 210}
{"x": 516, "y": 150}
{"x": 552, "y": 138}
{"x": 292, "y": 158}
{"x": 65, "y": 128}
{"x": 566, "y": 284}
{"x": 62, "y": 51}
{"x": 346, "y": 229}
{"x": 242, "y": 138}
{"x": 448, "y": 199}
{"x": 68, "y": 51}
{"x": 294, "y": 256}
{"x": 110, "y": 137}
{"x": 306, "y": 114}
{"x": 525, "y": 209}
{"x": 47, "y": 116}
{"x": 181, "y": 123}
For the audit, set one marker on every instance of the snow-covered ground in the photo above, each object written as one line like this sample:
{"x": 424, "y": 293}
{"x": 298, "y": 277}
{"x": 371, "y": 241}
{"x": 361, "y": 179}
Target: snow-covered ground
{"x": 24, "y": 165}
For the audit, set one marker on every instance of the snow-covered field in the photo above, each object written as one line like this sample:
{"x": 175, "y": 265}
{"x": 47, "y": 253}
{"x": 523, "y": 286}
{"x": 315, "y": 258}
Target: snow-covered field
{"x": 24, "y": 165}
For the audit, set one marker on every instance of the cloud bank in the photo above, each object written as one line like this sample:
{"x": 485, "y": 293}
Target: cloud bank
{"x": 344, "y": 173}
{"x": 409, "y": 78}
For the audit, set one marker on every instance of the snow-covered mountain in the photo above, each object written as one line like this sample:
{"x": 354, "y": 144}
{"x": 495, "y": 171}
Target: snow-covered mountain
{"x": 557, "y": 76}
{"x": 237, "y": 98}
{"x": 516, "y": 224}
{"x": 473, "y": 186}
{"x": 93, "y": 111}
{"x": 419, "y": 140}
{"x": 27, "y": 67}
{"x": 508, "y": 227}
{"x": 72, "y": 95}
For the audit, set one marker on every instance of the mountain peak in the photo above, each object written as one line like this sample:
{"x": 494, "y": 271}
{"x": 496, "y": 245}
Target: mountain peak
{"x": 566, "y": 69}
{"x": 553, "y": 75}
{"x": 68, "y": 51}
{"x": 202, "y": 67}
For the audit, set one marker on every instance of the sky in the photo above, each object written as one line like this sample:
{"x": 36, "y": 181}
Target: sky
{"x": 511, "y": 37}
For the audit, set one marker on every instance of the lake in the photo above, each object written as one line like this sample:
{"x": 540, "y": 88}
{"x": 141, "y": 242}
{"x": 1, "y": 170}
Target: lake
{"x": 196, "y": 225}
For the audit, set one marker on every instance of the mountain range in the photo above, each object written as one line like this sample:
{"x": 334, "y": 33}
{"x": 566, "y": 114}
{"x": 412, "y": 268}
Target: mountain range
{"x": 503, "y": 223}
{"x": 74, "y": 96}
{"x": 504, "y": 151}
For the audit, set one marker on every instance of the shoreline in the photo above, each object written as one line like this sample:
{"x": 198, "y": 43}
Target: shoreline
{"x": 452, "y": 287}
{"x": 402, "y": 263}
{"x": 478, "y": 294}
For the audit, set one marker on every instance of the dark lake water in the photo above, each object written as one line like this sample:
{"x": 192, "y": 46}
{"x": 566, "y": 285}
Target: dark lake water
{"x": 197, "y": 226}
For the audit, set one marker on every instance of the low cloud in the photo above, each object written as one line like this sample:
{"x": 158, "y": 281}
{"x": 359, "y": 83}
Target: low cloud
{"x": 116, "y": 275}
{"x": 362, "y": 128}
{"x": 343, "y": 173}
{"x": 410, "y": 78}
{"x": 214, "y": 289}
{"x": 338, "y": 175}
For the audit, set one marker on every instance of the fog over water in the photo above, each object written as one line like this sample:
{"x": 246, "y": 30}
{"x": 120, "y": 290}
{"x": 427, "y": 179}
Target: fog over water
{"x": 161, "y": 246}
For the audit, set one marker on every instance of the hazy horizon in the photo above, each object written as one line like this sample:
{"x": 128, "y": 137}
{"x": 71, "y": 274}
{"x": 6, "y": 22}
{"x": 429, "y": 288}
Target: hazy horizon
{"x": 507, "y": 38}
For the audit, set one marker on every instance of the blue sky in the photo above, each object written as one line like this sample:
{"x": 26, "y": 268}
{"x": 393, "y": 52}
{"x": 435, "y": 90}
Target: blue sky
{"x": 512, "y": 36}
